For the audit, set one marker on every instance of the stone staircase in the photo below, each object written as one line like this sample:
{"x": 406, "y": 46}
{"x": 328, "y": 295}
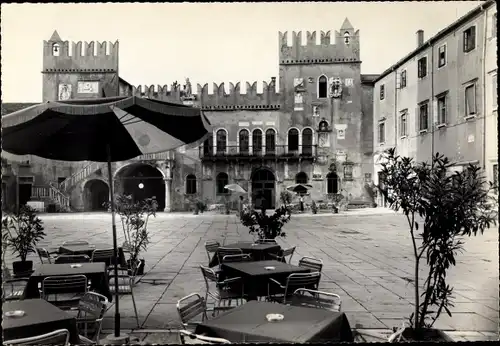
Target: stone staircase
{"x": 51, "y": 195}
{"x": 80, "y": 175}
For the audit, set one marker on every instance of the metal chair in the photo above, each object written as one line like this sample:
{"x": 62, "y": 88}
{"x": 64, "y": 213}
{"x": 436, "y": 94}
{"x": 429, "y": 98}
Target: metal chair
{"x": 211, "y": 247}
{"x": 316, "y": 299}
{"x": 284, "y": 254}
{"x": 16, "y": 285}
{"x": 57, "y": 337}
{"x": 237, "y": 258}
{"x": 76, "y": 242}
{"x": 293, "y": 282}
{"x": 104, "y": 255}
{"x": 311, "y": 263}
{"x": 206, "y": 339}
{"x": 189, "y": 307}
{"x": 91, "y": 309}
{"x": 72, "y": 259}
{"x": 224, "y": 251}
{"x": 126, "y": 282}
{"x": 71, "y": 288}
{"x": 224, "y": 291}
{"x": 44, "y": 253}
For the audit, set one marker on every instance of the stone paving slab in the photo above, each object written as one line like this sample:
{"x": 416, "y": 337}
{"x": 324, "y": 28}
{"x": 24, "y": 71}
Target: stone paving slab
{"x": 366, "y": 254}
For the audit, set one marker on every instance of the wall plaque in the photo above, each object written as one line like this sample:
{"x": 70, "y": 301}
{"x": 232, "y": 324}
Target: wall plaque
{"x": 85, "y": 87}
{"x": 64, "y": 91}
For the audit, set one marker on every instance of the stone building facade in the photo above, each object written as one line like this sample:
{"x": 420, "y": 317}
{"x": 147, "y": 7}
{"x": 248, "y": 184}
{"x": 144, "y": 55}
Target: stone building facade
{"x": 317, "y": 128}
{"x": 436, "y": 98}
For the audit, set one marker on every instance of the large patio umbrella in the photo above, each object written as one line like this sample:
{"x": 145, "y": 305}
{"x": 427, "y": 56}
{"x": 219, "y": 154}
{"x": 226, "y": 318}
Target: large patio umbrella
{"x": 299, "y": 188}
{"x": 235, "y": 188}
{"x": 103, "y": 130}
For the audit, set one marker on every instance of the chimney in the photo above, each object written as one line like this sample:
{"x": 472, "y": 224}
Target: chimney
{"x": 420, "y": 38}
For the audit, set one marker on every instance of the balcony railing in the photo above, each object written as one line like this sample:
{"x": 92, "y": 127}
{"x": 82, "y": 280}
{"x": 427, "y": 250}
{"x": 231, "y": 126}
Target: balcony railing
{"x": 276, "y": 151}
{"x": 166, "y": 155}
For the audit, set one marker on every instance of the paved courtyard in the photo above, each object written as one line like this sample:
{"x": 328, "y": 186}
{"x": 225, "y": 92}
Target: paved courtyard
{"x": 367, "y": 258}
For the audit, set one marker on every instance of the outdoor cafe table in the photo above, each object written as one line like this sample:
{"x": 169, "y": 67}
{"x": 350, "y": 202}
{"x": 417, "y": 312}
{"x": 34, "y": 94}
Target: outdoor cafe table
{"x": 255, "y": 276}
{"x": 247, "y": 323}
{"x": 40, "y": 317}
{"x": 259, "y": 252}
{"x": 95, "y": 272}
{"x": 82, "y": 249}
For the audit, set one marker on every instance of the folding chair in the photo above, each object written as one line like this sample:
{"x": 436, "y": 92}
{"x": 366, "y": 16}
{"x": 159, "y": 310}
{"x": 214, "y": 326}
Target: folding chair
{"x": 316, "y": 299}
{"x": 312, "y": 263}
{"x": 57, "y": 337}
{"x": 224, "y": 291}
{"x": 285, "y": 253}
{"x": 72, "y": 259}
{"x": 71, "y": 288}
{"x": 293, "y": 282}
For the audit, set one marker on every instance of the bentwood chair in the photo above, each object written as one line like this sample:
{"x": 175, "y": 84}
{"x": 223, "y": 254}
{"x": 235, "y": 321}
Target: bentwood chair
{"x": 91, "y": 309}
{"x": 64, "y": 291}
{"x": 284, "y": 254}
{"x": 184, "y": 334}
{"x": 316, "y": 299}
{"x": 279, "y": 292}
{"x": 57, "y": 337}
{"x": 222, "y": 291}
{"x": 312, "y": 263}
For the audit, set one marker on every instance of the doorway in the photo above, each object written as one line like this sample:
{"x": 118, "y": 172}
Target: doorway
{"x": 24, "y": 193}
{"x": 96, "y": 195}
{"x": 263, "y": 189}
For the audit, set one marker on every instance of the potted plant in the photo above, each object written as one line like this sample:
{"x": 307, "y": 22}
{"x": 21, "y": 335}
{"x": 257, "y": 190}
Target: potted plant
{"x": 134, "y": 217}
{"x": 264, "y": 226}
{"x": 442, "y": 207}
{"x": 202, "y": 206}
{"x": 21, "y": 232}
{"x": 314, "y": 207}
{"x": 336, "y": 200}
{"x": 371, "y": 191}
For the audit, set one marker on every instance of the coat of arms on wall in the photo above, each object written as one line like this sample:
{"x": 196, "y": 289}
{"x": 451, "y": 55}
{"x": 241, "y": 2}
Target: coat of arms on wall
{"x": 315, "y": 111}
{"x": 335, "y": 87}
{"x": 341, "y": 129}
{"x": 298, "y": 100}
{"x": 323, "y": 139}
{"x": 298, "y": 84}
{"x": 64, "y": 91}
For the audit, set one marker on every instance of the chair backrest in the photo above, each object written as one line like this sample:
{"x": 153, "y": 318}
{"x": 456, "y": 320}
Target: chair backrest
{"x": 211, "y": 246}
{"x": 72, "y": 259}
{"x": 301, "y": 280}
{"x": 64, "y": 284}
{"x": 288, "y": 252}
{"x": 317, "y": 299}
{"x": 207, "y": 339}
{"x": 76, "y": 242}
{"x": 209, "y": 274}
{"x": 104, "y": 255}
{"x": 312, "y": 263}
{"x": 224, "y": 251}
{"x": 43, "y": 253}
{"x": 191, "y": 306}
{"x": 57, "y": 337}
{"x": 236, "y": 258}
{"x": 126, "y": 246}
{"x": 266, "y": 241}
{"x": 91, "y": 309}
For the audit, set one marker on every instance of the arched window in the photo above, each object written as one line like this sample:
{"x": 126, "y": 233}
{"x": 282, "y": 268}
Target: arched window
{"x": 56, "y": 49}
{"x": 190, "y": 184}
{"x": 322, "y": 87}
{"x": 323, "y": 126}
{"x": 221, "y": 141}
{"x": 270, "y": 141}
{"x": 293, "y": 140}
{"x": 332, "y": 183}
{"x": 301, "y": 178}
{"x": 221, "y": 181}
{"x": 347, "y": 37}
{"x": 208, "y": 146}
{"x": 257, "y": 141}
{"x": 307, "y": 142}
{"x": 244, "y": 144}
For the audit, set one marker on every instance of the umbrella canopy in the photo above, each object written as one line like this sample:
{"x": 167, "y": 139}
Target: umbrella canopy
{"x": 235, "y": 188}
{"x": 299, "y": 188}
{"x": 103, "y": 130}
{"x": 81, "y": 130}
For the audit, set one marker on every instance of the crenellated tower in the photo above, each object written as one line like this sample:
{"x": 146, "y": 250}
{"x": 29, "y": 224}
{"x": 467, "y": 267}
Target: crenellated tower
{"x": 88, "y": 70}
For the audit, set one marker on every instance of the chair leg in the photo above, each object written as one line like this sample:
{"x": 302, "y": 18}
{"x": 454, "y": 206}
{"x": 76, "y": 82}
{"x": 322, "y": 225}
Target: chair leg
{"x": 136, "y": 314}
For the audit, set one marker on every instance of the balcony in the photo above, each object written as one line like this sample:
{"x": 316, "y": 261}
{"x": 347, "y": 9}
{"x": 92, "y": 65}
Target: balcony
{"x": 166, "y": 155}
{"x": 275, "y": 152}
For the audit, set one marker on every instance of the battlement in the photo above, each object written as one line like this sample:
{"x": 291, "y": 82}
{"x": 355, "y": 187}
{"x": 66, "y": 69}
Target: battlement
{"x": 217, "y": 100}
{"x": 82, "y": 57}
{"x": 332, "y": 46}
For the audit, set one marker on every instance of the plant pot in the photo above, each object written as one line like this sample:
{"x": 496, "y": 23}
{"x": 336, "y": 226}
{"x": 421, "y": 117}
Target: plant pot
{"x": 374, "y": 205}
{"x": 140, "y": 269}
{"x": 195, "y": 212}
{"x": 335, "y": 210}
{"x": 22, "y": 268}
{"x": 428, "y": 334}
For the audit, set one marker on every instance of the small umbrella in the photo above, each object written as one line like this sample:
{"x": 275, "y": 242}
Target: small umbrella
{"x": 235, "y": 188}
{"x": 103, "y": 130}
{"x": 299, "y": 188}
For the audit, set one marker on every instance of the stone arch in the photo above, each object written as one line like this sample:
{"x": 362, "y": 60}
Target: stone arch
{"x": 332, "y": 183}
{"x": 141, "y": 180}
{"x": 95, "y": 195}
{"x": 245, "y": 149}
{"x": 263, "y": 185}
{"x": 221, "y": 147}
{"x": 295, "y": 146}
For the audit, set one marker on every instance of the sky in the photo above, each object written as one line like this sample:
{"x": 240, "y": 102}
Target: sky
{"x": 207, "y": 42}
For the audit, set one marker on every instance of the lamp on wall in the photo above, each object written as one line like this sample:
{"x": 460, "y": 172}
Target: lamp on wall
{"x": 141, "y": 186}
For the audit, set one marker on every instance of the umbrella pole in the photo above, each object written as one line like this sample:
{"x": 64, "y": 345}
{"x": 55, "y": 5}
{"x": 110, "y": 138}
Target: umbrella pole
{"x": 115, "y": 246}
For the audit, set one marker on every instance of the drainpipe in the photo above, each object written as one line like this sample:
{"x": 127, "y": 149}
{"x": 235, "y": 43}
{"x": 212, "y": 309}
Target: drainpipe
{"x": 483, "y": 75}
{"x": 395, "y": 108}
{"x": 431, "y": 106}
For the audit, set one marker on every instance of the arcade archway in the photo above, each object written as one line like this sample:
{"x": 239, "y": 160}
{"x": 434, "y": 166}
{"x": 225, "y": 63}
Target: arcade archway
{"x": 263, "y": 188}
{"x": 96, "y": 194}
{"x": 141, "y": 181}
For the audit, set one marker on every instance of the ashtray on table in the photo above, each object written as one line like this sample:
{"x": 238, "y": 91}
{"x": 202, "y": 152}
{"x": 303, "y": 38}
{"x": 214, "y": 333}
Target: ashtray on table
{"x": 77, "y": 265}
{"x": 15, "y": 313}
{"x": 274, "y": 317}
{"x": 269, "y": 268}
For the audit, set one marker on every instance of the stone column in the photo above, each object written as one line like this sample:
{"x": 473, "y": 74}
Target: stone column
{"x": 168, "y": 188}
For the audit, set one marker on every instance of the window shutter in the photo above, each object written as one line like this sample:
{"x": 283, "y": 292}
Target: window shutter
{"x": 435, "y": 114}
{"x": 473, "y": 37}
{"x": 398, "y": 80}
